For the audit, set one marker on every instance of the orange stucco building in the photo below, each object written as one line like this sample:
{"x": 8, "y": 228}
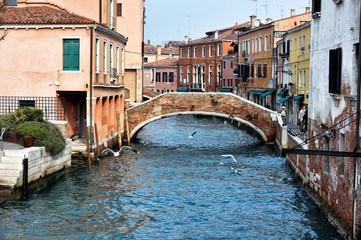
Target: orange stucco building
{"x": 66, "y": 50}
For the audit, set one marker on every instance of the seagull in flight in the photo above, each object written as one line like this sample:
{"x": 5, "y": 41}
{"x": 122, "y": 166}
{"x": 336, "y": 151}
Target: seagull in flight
{"x": 231, "y": 156}
{"x": 191, "y": 135}
{"x": 109, "y": 152}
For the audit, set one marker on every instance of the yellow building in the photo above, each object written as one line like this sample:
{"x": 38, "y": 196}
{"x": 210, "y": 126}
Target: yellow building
{"x": 299, "y": 65}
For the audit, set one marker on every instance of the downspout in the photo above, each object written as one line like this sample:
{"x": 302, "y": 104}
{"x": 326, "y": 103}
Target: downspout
{"x": 142, "y": 58}
{"x": 91, "y": 91}
{"x": 100, "y": 11}
{"x": 357, "y": 136}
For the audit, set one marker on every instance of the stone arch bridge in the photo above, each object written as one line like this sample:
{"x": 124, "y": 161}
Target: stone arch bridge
{"x": 260, "y": 120}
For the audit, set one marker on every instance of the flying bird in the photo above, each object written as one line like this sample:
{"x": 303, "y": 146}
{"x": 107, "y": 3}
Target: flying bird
{"x": 229, "y": 155}
{"x": 109, "y": 152}
{"x": 191, "y": 135}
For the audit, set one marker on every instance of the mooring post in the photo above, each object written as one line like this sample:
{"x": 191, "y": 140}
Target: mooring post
{"x": 97, "y": 139}
{"x": 88, "y": 147}
{"x": 119, "y": 131}
{"x": 127, "y": 127}
{"x": 25, "y": 178}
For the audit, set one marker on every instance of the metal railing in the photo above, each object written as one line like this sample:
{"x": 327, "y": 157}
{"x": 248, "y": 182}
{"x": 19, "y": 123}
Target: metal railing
{"x": 300, "y": 134}
{"x": 52, "y": 107}
{"x": 1, "y": 139}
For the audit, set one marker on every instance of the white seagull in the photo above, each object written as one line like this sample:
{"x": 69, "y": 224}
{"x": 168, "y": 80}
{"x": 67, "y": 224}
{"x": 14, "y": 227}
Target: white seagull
{"x": 191, "y": 135}
{"x": 109, "y": 152}
{"x": 229, "y": 155}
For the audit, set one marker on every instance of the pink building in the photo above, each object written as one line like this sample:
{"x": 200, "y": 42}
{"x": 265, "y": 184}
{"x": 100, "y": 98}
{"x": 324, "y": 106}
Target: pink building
{"x": 164, "y": 74}
{"x": 53, "y": 54}
{"x": 229, "y": 72}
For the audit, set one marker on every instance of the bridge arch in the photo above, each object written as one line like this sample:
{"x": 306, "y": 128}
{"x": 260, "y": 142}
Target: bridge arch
{"x": 261, "y": 120}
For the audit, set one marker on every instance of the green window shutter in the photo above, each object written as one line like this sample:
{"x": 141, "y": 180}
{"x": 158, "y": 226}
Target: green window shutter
{"x": 70, "y": 54}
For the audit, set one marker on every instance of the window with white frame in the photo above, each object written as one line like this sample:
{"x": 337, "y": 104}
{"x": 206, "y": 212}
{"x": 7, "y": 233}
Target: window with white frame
{"x": 123, "y": 64}
{"x": 219, "y": 76}
{"x": 219, "y": 50}
{"x": 111, "y": 69}
{"x": 300, "y": 79}
{"x": 224, "y": 65}
{"x": 97, "y": 55}
{"x": 181, "y": 75}
{"x": 195, "y": 75}
{"x": 270, "y": 43}
{"x": 117, "y": 62}
{"x": 255, "y": 45}
{"x": 210, "y": 50}
{"x": 203, "y": 51}
{"x": 260, "y": 44}
{"x": 189, "y": 52}
{"x": 265, "y": 42}
{"x": 300, "y": 43}
{"x": 188, "y": 75}
{"x": 295, "y": 44}
{"x": 303, "y": 41}
{"x": 105, "y": 57}
{"x": 210, "y": 75}
{"x": 304, "y": 78}
{"x": 195, "y": 52}
{"x": 181, "y": 55}
{"x": 252, "y": 45}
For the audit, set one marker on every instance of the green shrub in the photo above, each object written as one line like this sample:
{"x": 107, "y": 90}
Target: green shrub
{"x": 25, "y": 114}
{"x": 8, "y": 121}
{"x": 45, "y": 135}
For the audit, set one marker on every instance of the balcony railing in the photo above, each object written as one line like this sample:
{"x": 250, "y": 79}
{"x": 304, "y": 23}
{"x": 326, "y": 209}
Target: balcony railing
{"x": 197, "y": 86}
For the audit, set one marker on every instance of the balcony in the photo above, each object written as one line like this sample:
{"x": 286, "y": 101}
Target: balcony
{"x": 197, "y": 87}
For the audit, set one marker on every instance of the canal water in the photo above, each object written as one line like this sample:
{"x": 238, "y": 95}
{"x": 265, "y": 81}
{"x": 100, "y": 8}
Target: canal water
{"x": 176, "y": 188}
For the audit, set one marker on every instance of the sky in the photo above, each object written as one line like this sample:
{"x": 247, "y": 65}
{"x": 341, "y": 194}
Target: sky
{"x": 168, "y": 20}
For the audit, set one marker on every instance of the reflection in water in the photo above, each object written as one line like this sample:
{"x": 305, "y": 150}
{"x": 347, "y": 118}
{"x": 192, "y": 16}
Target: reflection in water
{"x": 175, "y": 189}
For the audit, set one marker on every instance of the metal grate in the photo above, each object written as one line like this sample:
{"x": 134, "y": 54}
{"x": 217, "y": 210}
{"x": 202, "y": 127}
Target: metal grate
{"x": 53, "y": 107}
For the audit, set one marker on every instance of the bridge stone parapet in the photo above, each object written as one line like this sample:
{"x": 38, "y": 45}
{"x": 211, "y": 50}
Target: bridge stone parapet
{"x": 259, "y": 119}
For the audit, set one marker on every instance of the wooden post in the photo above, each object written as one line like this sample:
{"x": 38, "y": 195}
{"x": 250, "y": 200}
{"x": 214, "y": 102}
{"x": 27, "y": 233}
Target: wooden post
{"x": 97, "y": 139}
{"x": 88, "y": 147}
{"x": 119, "y": 130}
{"x": 25, "y": 177}
{"x": 238, "y": 124}
{"x": 127, "y": 127}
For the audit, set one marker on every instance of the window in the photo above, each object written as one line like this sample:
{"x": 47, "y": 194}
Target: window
{"x": 145, "y": 60}
{"x": 123, "y": 65}
{"x": 165, "y": 76}
{"x": 326, "y": 159}
{"x": 210, "y": 74}
{"x": 316, "y": 6}
{"x": 295, "y": 44}
{"x": 71, "y": 54}
{"x": 117, "y": 61}
{"x": 171, "y": 77}
{"x": 111, "y": 69}
{"x": 265, "y": 42}
{"x": 157, "y": 77}
{"x": 252, "y": 71}
{"x": 27, "y": 103}
{"x": 188, "y": 75}
{"x": 300, "y": 79}
{"x": 195, "y": 52}
{"x": 119, "y": 10}
{"x": 224, "y": 64}
{"x": 260, "y": 44}
{"x": 231, "y": 64}
{"x": 181, "y": 75}
{"x": 264, "y": 70}
{"x": 10, "y": 2}
{"x": 290, "y": 45}
{"x": 255, "y": 45}
{"x": 97, "y": 55}
{"x": 304, "y": 78}
{"x": 335, "y": 70}
{"x": 218, "y": 74}
{"x": 105, "y": 57}
{"x": 342, "y": 148}
{"x": 189, "y": 52}
{"x": 303, "y": 42}
{"x": 300, "y": 43}
{"x": 181, "y": 55}
{"x": 270, "y": 43}
{"x": 259, "y": 70}
{"x": 252, "y": 45}
{"x": 219, "y": 51}
{"x": 111, "y": 14}
{"x": 203, "y": 51}
{"x": 211, "y": 51}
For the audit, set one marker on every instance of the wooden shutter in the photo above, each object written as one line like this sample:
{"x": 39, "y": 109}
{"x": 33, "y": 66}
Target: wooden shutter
{"x": 70, "y": 54}
{"x": 119, "y": 10}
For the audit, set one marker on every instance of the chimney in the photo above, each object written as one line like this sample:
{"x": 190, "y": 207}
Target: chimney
{"x": 268, "y": 20}
{"x": 292, "y": 12}
{"x": 216, "y": 35}
{"x": 307, "y": 9}
{"x": 186, "y": 39}
{"x": 253, "y": 21}
{"x": 159, "y": 52}
{"x": 148, "y": 42}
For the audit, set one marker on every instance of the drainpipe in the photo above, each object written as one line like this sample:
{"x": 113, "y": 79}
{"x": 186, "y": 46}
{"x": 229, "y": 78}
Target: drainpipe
{"x": 357, "y": 137}
{"x": 100, "y": 11}
{"x": 91, "y": 91}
